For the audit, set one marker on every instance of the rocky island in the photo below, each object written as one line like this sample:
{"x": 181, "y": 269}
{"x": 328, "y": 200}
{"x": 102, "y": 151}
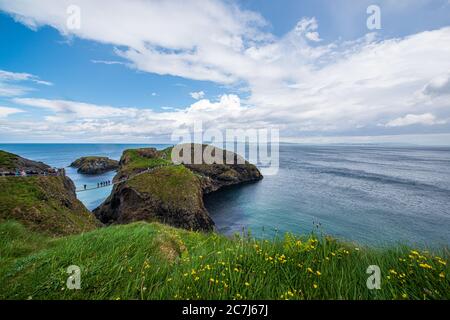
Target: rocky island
{"x": 156, "y": 189}
{"x": 95, "y": 165}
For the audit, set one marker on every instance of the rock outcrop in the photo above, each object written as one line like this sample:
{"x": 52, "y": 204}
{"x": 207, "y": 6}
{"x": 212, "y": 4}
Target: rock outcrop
{"x": 46, "y": 204}
{"x": 10, "y": 162}
{"x": 95, "y": 165}
{"x": 157, "y": 189}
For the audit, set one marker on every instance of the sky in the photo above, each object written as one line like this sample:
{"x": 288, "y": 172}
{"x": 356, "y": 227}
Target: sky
{"x": 138, "y": 70}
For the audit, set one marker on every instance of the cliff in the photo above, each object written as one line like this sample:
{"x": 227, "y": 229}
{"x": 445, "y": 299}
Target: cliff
{"x": 46, "y": 204}
{"x": 156, "y": 189}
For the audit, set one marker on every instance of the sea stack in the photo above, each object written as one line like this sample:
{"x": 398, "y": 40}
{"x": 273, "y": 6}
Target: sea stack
{"x": 95, "y": 165}
{"x": 154, "y": 188}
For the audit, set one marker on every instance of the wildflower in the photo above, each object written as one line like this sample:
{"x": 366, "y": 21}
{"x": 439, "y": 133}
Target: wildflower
{"x": 315, "y": 286}
{"x": 247, "y": 284}
{"x": 310, "y": 270}
{"x": 393, "y": 272}
{"x": 236, "y": 269}
{"x": 185, "y": 274}
{"x": 404, "y": 296}
{"x": 196, "y": 278}
{"x": 442, "y": 275}
{"x": 442, "y": 262}
{"x": 211, "y": 280}
{"x": 169, "y": 279}
{"x": 425, "y": 266}
{"x": 318, "y": 273}
{"x": 413, "y": 252}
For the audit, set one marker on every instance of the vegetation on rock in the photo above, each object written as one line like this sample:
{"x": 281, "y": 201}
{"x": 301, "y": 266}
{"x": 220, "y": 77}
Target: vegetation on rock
{"x": 47, "y": 204}
{"x": 10, "y": 162}
{"x": 94, "y": 165}
{"x": 167, "y": 192}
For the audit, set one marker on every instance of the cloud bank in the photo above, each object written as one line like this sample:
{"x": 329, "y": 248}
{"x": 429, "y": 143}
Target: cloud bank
{"x": 295, "y": 82}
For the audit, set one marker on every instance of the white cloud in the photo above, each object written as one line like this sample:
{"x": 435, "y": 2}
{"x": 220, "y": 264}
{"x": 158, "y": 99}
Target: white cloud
{"x": 6, "y": 111}
{"x": 197, "y": 95}
{"x": 71, "y": 118}
{"x": 107, "y": 62}
{"x": 438, "y": 86}
{"x": 296, "y": 82}
{"x": 308, "y": 27}
{"x": 410, "y": 119}
{"x": 9, "y": 83}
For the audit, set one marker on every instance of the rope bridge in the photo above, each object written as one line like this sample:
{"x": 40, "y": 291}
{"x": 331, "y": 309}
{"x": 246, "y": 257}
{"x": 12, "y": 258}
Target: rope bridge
{"x": 119, "y": 181}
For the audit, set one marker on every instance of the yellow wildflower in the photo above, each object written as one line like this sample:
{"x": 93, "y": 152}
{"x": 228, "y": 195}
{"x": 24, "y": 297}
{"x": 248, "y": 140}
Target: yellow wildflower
{"x": 425, "y": 266}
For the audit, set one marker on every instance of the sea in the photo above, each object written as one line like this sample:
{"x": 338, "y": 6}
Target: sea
{"x": 375, "y": 195}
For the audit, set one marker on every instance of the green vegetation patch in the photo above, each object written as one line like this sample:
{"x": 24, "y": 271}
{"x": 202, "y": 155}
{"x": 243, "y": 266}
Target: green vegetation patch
{"x": 43, "y": 204}
{"x": 174, "y": 185}
{"x": 154, "y": 261}
{"x": 7, "y": 160}
{"x": 133, "y": 160}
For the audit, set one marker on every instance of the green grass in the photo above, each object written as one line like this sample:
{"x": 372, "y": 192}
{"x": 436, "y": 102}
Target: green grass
{"x": 43, "y": 204}
{"x": 7, "y": 160}
{"x": 136, "y": 161}
{"x": 175, "y": 185}
{"x": 154, "y": 261}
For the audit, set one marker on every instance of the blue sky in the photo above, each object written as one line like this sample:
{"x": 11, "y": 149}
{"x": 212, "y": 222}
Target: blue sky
{"x": 135, "y": 71}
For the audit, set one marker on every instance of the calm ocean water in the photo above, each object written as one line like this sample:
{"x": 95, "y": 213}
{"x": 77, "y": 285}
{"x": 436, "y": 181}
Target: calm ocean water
{"x": 373, "y": 195}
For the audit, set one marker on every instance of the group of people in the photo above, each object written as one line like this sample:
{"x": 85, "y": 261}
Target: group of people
{"x": 100, "y": 184}
{"x": 103, "y": 184}
{"x": 30, "y": 173}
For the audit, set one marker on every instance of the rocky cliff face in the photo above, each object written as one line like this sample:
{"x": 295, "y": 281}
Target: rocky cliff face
{"x": 167, "y": 192}
{"x": 95, "y": 165}
{"x": 46, "y": 204}
{"x": 171, "y": 195}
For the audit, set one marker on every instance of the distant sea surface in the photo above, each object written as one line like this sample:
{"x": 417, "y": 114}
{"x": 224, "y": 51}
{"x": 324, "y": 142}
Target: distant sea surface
{"x": 374, "y": 195}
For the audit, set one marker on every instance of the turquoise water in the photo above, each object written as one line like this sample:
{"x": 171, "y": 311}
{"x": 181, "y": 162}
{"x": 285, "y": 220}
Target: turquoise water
{"x": 370, "y": 194}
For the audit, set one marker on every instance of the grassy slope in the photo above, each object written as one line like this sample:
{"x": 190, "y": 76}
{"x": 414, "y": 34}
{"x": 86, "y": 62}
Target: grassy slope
{"x": 175, "y": 185}
{"x": 153, "y": 261}
{"x": 7, "y": 160}
{"x": 43, "y": 204}
{"x": 139, "y": 162}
